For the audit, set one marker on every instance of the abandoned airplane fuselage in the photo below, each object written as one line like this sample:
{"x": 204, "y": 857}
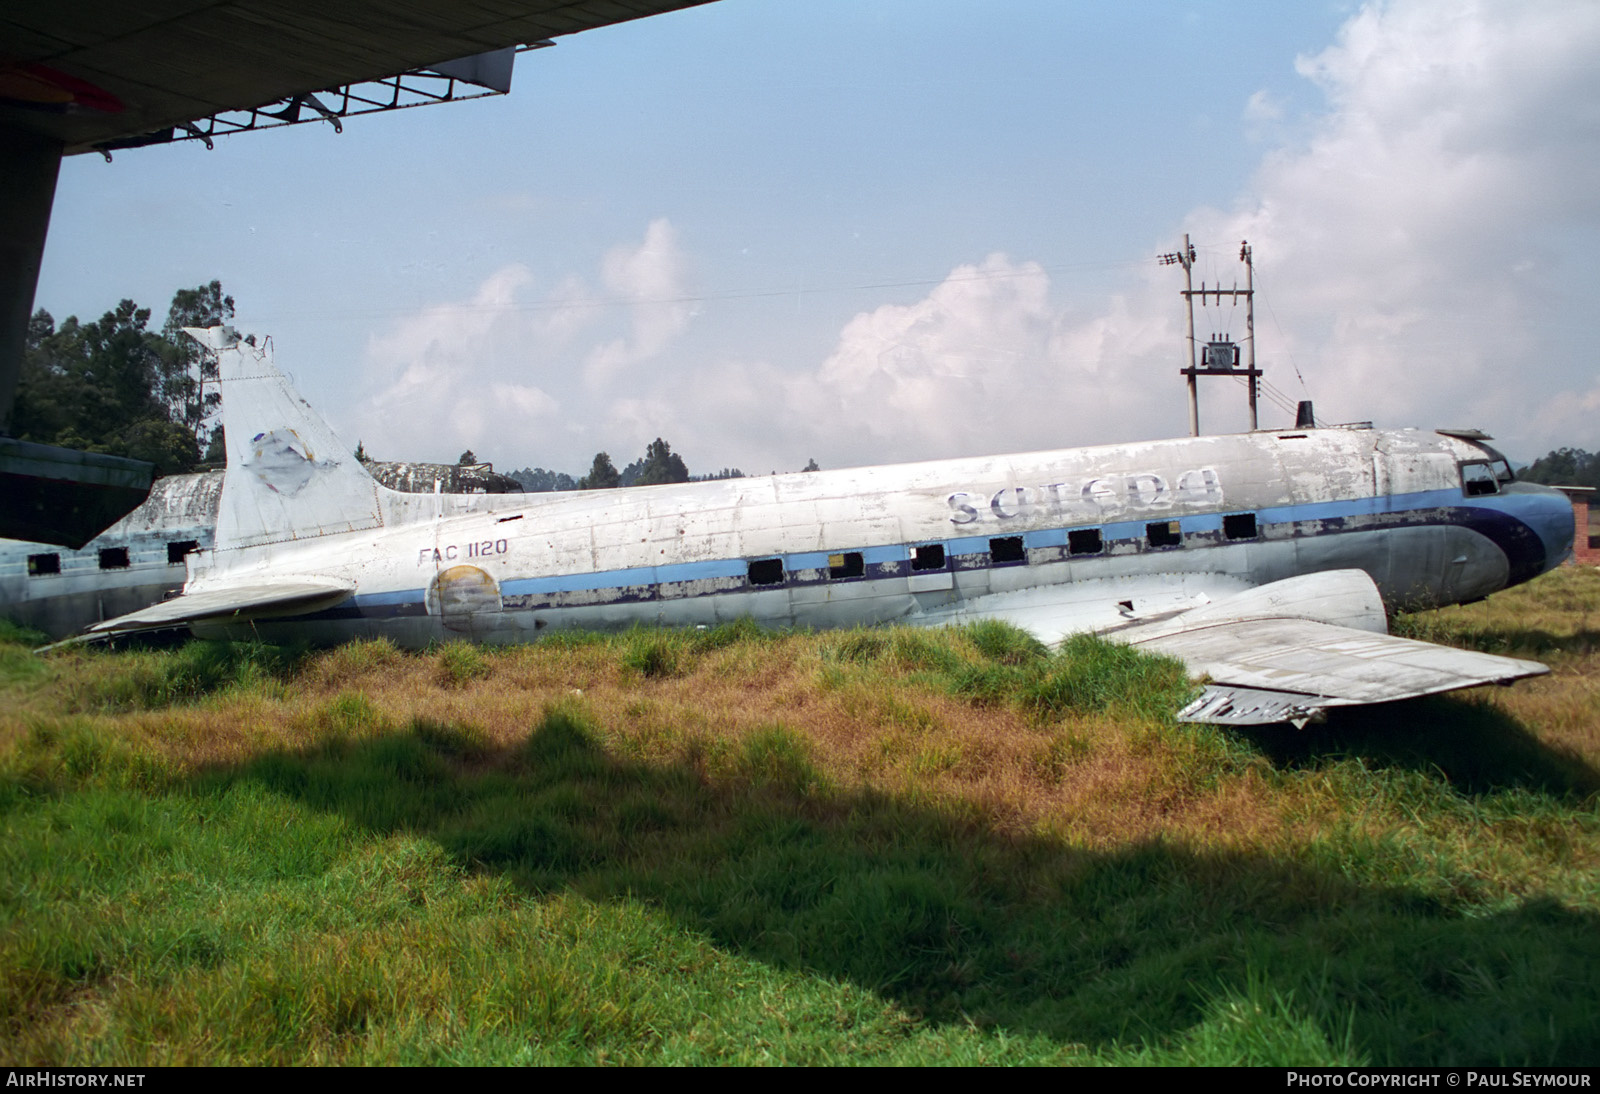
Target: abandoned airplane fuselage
{"x": 1133, "y": 540}
{"x": 1164, "y": 519}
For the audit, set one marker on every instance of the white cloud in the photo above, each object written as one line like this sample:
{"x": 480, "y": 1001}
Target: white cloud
{"x": 985, "y": 362}
{"x": 1423, "y": 255}
{"x": 1412, "y": 244}
{"x": 515, "y": 376}
{"x": 1417, "y": 254}
{"x": 649, "y": 279}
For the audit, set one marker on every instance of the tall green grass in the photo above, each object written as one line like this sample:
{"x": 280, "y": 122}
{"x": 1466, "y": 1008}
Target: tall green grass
{"x": 398, "y": 884}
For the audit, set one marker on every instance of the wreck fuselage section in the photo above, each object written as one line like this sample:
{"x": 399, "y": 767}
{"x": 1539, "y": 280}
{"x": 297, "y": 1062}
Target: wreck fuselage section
{"x": 1433, "y": 519}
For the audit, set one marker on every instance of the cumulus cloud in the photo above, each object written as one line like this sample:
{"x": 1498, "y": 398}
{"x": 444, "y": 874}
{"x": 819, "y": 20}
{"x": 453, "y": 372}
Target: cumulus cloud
{"x": 521, "y": 371}
{"x": 1416, "y": 249}
{"x": 1416, "y": 245}
{"x": 985, "y": 362}
{"x": 650, "y": 279}
{"x": 1423, "y": 253}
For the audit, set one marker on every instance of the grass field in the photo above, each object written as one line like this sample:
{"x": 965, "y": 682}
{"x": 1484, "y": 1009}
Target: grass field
{"x": 739, "y": 846}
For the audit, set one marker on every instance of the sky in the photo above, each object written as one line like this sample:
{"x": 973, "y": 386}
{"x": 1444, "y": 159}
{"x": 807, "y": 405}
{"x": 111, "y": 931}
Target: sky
{"x": 871, "y": 231}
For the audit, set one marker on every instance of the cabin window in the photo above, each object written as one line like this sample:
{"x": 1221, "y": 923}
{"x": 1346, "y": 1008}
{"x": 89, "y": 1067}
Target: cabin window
{"x": 176, "y": 551}
{"x": 1239, "y": 526}
{"x": 1163, "y": 533}
{"x": 846, "y": 564}
{"x": 928, "y": 557}
{"x": 113, "y": 558}
{"x": 1085, "y": 541}
{"x": 1478, "y": 479}
{"x": 39, "y": 565}
{"x": 766, "y": 571}
{"x": 1007, "y": 549}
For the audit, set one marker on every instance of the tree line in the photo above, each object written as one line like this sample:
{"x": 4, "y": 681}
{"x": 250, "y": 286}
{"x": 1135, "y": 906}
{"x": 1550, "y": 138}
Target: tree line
{"x": 1564, "y": 467}
{"x": 114, "y": 386}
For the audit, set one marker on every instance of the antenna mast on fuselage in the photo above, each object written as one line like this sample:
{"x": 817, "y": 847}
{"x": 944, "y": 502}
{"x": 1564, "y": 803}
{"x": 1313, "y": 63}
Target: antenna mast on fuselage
{"x": 1221, "y": 353}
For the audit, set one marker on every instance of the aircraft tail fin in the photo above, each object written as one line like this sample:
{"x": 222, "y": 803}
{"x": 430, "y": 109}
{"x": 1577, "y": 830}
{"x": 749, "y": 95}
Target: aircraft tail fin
{"x": 289, "y": 476}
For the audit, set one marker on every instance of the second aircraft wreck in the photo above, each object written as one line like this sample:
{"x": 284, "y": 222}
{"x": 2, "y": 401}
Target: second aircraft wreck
{"x": 1265, "y": 561}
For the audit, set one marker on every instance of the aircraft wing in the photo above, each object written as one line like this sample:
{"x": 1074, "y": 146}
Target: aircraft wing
{"x": 238, "y": 602}
{"x": 1289, "y": 650}
{"x": 1274, "y": 670}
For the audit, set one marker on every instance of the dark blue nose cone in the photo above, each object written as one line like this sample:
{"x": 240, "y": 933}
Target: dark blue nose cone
{"x": 1548, "y": 512}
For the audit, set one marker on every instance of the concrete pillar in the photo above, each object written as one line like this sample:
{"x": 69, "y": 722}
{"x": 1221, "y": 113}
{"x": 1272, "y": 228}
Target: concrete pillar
{"x": 27, "y": 190}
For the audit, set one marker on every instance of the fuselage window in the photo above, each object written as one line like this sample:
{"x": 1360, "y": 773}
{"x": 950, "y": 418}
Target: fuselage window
{"x": 113, "y": 558}
{"x": 845, "y": 565}
{"x": 1239, "y": 526}
{"x": 1478, "y": 479}
{"x": 766, "y": 571}
{"x": 928, "y": 557}
{"x": 1007, "y": 549}
{"x": 1085, "y": 541}
{"x": 39, "y": 565}
{"x": 1162, "y": 533}
{"x": 176, "y": 551}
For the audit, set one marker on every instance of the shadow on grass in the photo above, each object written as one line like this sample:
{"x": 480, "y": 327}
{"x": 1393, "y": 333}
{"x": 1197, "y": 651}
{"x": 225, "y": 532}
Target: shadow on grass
{"x": 1477, "y": 747}
{"x": 1507, "y": 641}
{"x": 963, "y": 924}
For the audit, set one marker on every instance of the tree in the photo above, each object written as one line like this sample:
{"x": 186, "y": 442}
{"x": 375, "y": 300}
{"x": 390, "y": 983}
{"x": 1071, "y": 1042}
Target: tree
{"x": 661, "y": 465}
{"x": 361, "y": 452}
{"x": 1564, "y": 467}
{"x": 811, "y": 465}
{"x": 188, "y": 367}
{"x": 98, "y": 387}
{"x": 602, "y": 476}
{"x": 467, "y": 458}
{"x": 537, "y": 480}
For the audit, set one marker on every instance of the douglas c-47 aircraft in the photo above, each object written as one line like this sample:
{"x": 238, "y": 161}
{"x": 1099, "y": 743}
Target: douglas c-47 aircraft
{"x": 1264, "y": 561}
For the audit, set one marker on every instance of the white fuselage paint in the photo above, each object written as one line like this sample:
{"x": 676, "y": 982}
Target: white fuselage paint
{"x": 924, "y": 542}
{"x": 141, "y": 559}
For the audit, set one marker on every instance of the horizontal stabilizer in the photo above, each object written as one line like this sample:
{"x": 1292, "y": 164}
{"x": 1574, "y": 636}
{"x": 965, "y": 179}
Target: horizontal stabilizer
{"x": 241, "y": 603}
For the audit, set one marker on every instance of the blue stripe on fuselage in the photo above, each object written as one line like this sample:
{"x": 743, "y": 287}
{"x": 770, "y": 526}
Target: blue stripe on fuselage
{"x": 1505, "y": 519}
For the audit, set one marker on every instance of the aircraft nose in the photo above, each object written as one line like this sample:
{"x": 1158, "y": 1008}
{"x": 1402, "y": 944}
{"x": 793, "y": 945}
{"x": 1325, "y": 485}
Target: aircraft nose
{"x": 1549, "y": 513}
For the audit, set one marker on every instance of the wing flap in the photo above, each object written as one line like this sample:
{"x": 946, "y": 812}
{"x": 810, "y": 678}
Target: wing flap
{"x": 1248, "y": 707}
{"x": 239, "y": 602}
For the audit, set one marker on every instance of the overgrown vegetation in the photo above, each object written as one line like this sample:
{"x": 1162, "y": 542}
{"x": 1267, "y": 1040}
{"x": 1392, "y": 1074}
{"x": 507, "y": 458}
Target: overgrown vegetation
{"x": 742, "y": 846}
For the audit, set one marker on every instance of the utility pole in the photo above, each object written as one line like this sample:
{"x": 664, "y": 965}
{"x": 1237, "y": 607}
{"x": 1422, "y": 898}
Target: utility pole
{"x": 1185, "y": 258}
{"x": 1254, "y": 379}
{"x": 1221, "y": 355}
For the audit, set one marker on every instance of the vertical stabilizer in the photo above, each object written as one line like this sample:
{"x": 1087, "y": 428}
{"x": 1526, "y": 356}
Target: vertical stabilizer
{"x": 289, "y": 477}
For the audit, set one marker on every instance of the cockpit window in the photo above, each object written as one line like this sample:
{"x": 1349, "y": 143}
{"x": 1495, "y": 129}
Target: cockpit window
{"x": 1500, "y": 465}
{"x": 1478, "y": 479}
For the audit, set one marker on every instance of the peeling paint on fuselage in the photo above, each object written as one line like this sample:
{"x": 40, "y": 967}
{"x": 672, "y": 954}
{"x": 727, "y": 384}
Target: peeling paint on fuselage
{"x": 182, "y": 509}
{"x": 1388, "y": 502}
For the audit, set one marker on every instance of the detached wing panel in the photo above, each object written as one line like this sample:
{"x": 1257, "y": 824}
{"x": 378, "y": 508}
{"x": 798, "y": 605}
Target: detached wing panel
{"x": 1317, "y": 665}
{"x": 239, "y": 602}
{"x": 1290, "y": 649}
